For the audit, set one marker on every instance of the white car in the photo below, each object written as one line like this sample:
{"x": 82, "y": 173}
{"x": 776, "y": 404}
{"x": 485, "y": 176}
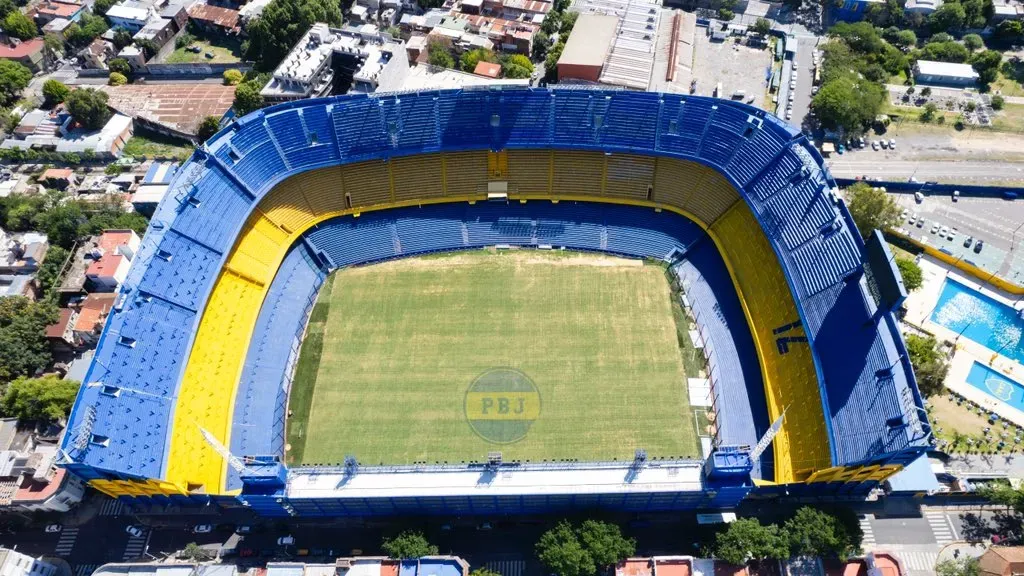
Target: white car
{"x": 795, "y": 65}
{"x": 892, "y": 143}
{"x": 935, "y": 228}
{"x": 904, "y": 214}
{"x": 944, "y": 231}
{"x": 789, "y": 114}
{"x": 286, "y": 541}
{"x": 791, "y": 96}
{"x": 918, "y": 197}
{"x": 134, "y": 531}
{"x": 874, "y": 145}
{"x": 202, "y": 529}
{"x": 53, "y": 528}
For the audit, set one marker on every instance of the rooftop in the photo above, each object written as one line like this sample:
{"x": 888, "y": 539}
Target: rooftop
{"x": 947, "y": 69}
{"x": 126, "y": 11}
{"x": 590, "y": 41}
{"x": 180, "y": 106}
{"x": 59, "y": 9}
{"x": 426, "y": 78}
{"x": 56, "y": 174}
{"x": 94, "y": 309}
{"x": 40, "y": 128}
{"x": 488, "y": 69}
{"x": 222, "y": 17}
{"x": 17, "y": 50}
{"x": 631, "y": 60}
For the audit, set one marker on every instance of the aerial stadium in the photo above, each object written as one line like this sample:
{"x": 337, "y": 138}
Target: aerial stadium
{"x": 474, "y": 301}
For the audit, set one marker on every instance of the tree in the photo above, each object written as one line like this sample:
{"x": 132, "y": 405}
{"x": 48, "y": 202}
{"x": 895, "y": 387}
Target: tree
{"x": 195, "y": 553}
{"x": 471, "y": 58}
{"x": 551, "y": 60}
{"x": 926, "y": 91}
{"x": 117, "y": 79}
{"x": 987, "y": 64}
{"x": 965, "y": 566}
{"x": 950, "y": 51}
{"x": 1009, "y": 30}
{"x": 862, "y": 37}
{"x": 88, "y": 107}
{"x": 282, "y": 24}
{"x": 122, "y": 38}
{"x": 725, "y": 14}
{"x": 906, "y": 39}
{"x": 911, "y": 273}
{"x": 248, "y": 97}
{"x": 762, "y": 26}
{"x": 517, "y": 66}
{"x": 54, "y": 92}
{"x": 747, "y": 540}
{"x": 184, "y": 40}
{"x": 1001, "y": 492}
{"x": 13, "y": 79}
{"x": 998, "y": 102}
{"x": 119, "y": 65}
{"x": 568, "y": 23}
{"x": 6, "y": 7}
{"x": 408, "y": 544}
{"x": 100, "y": 7}
{"x": 484, "y": 572}
{"x": 439, "y": 53}
{"x": 605, "y": 543}
{"x": 23, "y": 346}
{"x": 929, "y": 112}
{"x": 540, "y": 45}
{"x": 61, "y": 223}
{"x": 232, "y": 77}
{"x": 949, "y": 17}
{"x": 43, "y": 399}
{"x": 973, "y": 42}
{"x": 149, "y": 47}
{"x": 54, "y": 44}
{"x": 812, "y": 532}
{"x": 930, "y": 365}
{"x": 88, "y": 27}
{"x": 552, "y": 22}
{"x": 207, "y": 128}
{"x": 20, "y": 26}
{"x": 871, "y": 208}
{"x": 50, "y": 269}
{"x": 848, "y": 102}
{"x": 562, "y": 553}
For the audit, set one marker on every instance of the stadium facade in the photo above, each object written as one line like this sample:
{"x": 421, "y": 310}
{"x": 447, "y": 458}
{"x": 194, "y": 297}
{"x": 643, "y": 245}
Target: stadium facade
{"x": 186, "y": 398}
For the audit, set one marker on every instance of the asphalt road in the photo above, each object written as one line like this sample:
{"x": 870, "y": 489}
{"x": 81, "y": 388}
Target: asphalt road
{"x": 974, "y": 172}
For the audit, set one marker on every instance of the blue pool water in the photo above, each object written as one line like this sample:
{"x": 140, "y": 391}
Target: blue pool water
{"x": 996, "y": 385}
{"x": 983, "y": 319}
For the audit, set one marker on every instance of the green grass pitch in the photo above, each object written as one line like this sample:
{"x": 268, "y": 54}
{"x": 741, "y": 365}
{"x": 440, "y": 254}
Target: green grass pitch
{"x": 391, "y": 350}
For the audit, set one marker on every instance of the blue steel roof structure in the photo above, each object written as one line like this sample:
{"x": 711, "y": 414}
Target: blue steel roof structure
{"x": 864, "y": 376}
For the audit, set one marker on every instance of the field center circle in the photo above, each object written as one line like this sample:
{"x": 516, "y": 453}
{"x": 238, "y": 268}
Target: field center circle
{"x": 501, "y": 404}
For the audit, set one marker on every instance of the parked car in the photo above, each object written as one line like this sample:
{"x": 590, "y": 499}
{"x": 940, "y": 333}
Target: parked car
{"x": 243, "y": 529}
{"x": 978, "y": 246}
{"x": 956, "y": 195}
{"x": 918, "y": 197}
{"x": 920, "y": 223}
{"x": 134, "y": 531}
{"x": 885, "y": 145}
{"x": 892, "y": 143}
{"x": 935, "y": 228}
{"x": 874, "y": 145}
{"x": 286, "y": 541}
{"x": 202, "y": 529}
{"x": 968, "y": 241}
{"x": 53, "y": 528}
{"x": 944, "y": 231}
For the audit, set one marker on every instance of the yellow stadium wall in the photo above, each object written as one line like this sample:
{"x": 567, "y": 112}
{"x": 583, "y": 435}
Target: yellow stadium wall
{"x": 206, "y": 394}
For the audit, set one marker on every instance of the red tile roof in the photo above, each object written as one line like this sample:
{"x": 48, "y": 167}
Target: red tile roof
{"x": 488, "y": 69}
{"x": 94, "y": 310}
{"x": 59, "y": 9}
{"x": 57, "y": 329}
{"x": 21, "y": 50}
{"x": 223, "y": 17}
{"x": 35, "y": 491}
{"x": 111, "y": 239}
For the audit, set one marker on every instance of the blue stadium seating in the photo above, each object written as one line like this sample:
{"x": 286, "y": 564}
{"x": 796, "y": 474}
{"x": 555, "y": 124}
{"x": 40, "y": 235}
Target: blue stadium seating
{"x": 780, "y": 176}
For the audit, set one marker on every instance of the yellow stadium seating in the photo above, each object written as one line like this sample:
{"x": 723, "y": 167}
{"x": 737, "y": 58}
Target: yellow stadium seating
{"x": 465, "y": 173}
{"x": 417, "y": 177}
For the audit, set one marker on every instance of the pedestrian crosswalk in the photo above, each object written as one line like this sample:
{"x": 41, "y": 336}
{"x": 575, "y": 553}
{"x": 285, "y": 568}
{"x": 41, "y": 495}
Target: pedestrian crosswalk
{"x": 66, "y": 542}
{"x": 941, "y": 527}
{"x": 508, "y": 567}
{"x": 919, "y": 561}
{"x": 85, "y": 569}
{"x": 136, "y": 547}
{"x": 869, "y": 534}
{"x": 112, "y": 507}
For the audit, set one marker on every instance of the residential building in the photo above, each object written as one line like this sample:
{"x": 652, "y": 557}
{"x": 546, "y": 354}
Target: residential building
{"x": 56, "y": 26}
{"x": 509, "y": 35}
{"x": 214, "y": 19}
{"x": 59, "y": 178}
{"x": 130, "y": 15}
{"x": 58, "y": 493}
{"x": 922, "y": 6}
{"x": 176, "y": 12}
{"x": 61, "y": 334}
{"x": 1002, "y": 561}
{"x": 1005, "y": 10}
{"x": 172, "y": 108}
{"x": 158, "y": 31}
{"x": 30, "y": 480}
{"x": 357, "y": 566}
{"x": 135, "y": 57}
{"x": 56, "y": 130}
{"x": 13, "y": 563}
{"x": 628, "y": 52}
{"x": 21, "y": 254}
{"x": 53, "y": 9}
{"x": 96, "y": 54}
{"x": 92, "y": 312}
{"x": 111, "y": 257}
{"x": 487, "y": 69}
{"x": 945, "y": 73}
{"x": 28, "y": 53}
{"x": 154, "y": 187}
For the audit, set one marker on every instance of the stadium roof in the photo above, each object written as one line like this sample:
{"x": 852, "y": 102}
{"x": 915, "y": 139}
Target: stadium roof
{"x": 179, "y": 106}
{"x": 590, "y": 41}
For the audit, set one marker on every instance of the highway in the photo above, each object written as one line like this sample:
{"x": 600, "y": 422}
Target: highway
{"x": 967, "y": 172}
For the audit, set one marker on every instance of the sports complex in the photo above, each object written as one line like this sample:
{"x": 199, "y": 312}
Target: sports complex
{"x": 478, "y": 301}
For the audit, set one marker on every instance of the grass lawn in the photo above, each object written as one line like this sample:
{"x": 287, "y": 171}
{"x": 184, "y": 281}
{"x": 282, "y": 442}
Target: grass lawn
{"x": 225, "y": 51}
{"x": 1011, "y": 78}
{"x": 152, "y": 145}
{"x": 955, "y": 423}
{"x": 392, "y": 350}
{"x": 1009, "y": 119}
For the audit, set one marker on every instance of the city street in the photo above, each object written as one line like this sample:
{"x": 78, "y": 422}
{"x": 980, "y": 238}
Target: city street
{"x": 972, "y": 172}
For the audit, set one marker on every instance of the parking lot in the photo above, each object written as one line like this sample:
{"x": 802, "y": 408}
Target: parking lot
{"x": 735, "y": 65}
{"x": 998, "y": 223}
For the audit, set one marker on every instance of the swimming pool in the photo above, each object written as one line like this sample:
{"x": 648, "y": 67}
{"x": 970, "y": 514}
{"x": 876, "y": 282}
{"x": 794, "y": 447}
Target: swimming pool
{"x": 982, "y": 319}
{"x": 996, "y": 385}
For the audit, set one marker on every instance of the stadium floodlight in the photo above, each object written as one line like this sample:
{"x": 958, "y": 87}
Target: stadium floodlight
{"x": 494, "y": 459}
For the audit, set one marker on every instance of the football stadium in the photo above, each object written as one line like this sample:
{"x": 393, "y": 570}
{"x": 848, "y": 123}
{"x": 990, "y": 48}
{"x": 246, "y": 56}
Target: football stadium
{"x": 479, "y": 301}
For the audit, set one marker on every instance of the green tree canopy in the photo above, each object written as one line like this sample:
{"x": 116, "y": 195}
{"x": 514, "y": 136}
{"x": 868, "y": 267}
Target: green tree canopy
{"x": 1010, "y": 30}
{"x": 950, "y": 51}
{"x": 540, "y": 45}
{"x": 195, "y": 553}
{"x": 471, "y": 58}
{"x": 973, "y": 42}
{"x": 998, "y": 102}
{"x": 860, "y": 36}
{"x": 484, "y": 572}
{"x": 950, "y": 17}
{"x": 208, "y": 127}
{"x": 54, "y": 92}
{"x": 552, "y": 22}
{"x": 517, "y": 66}
{"x": 54, "y": 44}
{"x": 23, "y": 346}
{"x": 61, "y": 223}
{"x": 408, "y": 544}
{"x": 871, "y": 208}
{"x": 117, "y": 79}
{"x": 561, "y": 552}
{"x": 88, "y": 107}
{"x": 964, "y": 566}
{"x": 906, "y": 39}
{"x": 6, "y": 7}
{"x": 848, "y": 102}
{"x": 568, "y": 23}
{"x": 248, "y": 97}
{"x": 13, "y": 79}
{"x": 987, "y": 64}
{"x": 43, "y": 399}
{"x": 232, "y": 77}
{"x": 100, "y": 7}
{"x": 747, "y": 540}
{"x": 439, "y": 53}
{"x": 20, "y": 26}
{"x": 930, "y": 364}
{"x": 813, "y": 532}
{"x": 911, "y": 273}
{"x": 762, "y": 26}
{"x": 282, "y": 24}
{"x": 50, "y": 269}
{"x": 119, "y": 65}
{"x": 122, "y": 38}
{"x": 88, "y": 27}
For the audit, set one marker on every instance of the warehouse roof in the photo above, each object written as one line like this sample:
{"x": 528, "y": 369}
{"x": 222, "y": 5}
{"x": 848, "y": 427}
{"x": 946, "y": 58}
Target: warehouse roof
{"x": 589, "y": 46}
{"x": 947, "y": 69}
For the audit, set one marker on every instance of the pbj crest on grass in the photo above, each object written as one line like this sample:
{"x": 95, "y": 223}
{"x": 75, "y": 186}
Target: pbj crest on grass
{"x": 501, "y": 404}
